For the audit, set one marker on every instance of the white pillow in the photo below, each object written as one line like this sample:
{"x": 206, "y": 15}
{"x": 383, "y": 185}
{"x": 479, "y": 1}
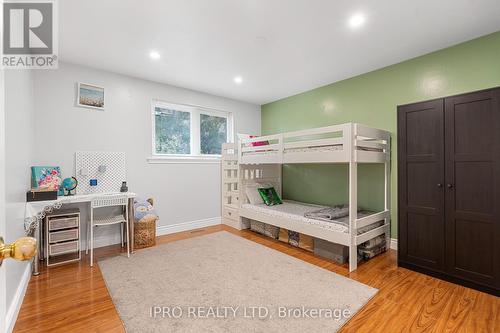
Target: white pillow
{"x": 253, "y": 194}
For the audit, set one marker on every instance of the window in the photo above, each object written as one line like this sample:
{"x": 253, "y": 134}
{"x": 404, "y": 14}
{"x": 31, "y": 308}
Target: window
{"x": 213, "y": 133}
{"x": 172, "y": 129}
{"x": 189, "y": 131}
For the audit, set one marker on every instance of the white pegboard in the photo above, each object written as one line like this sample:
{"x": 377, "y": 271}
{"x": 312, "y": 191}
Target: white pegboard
{"x": 87, "y": 165}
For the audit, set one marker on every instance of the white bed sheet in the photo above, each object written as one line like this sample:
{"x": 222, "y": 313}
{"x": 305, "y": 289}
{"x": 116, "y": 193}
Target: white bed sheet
{"x": 295, "y": 150}
{"x": 295, "y": 210}
{"x": 321, "y": 149}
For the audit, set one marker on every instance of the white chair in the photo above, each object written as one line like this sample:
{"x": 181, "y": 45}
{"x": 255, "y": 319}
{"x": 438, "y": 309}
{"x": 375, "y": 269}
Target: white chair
{"x": 107, "y": 201}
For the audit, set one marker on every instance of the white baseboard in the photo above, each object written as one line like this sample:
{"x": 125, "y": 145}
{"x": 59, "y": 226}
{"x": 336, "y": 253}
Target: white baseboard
{"x": 185, "y": 226}
{"x": 179, "y": 227}
{"x": 17, "y": 301}
{"x": 394, "y": 244}
{"x": 114, "y": 238}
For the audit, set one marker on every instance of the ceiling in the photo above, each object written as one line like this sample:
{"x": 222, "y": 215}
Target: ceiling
{"x": 278, "y": 47}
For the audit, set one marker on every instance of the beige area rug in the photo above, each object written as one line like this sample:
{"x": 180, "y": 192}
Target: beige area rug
{"x": 224, "y": 283}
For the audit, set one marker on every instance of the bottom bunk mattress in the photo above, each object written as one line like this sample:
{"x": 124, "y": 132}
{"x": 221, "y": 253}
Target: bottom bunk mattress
{"x": 296, "y": 210}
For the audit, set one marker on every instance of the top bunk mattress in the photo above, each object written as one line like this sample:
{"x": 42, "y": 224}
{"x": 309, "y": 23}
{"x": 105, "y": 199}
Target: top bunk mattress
{"x": 316, "y": 149}
{"x": 295, "y": 150}
{"x": 295, "y": 210}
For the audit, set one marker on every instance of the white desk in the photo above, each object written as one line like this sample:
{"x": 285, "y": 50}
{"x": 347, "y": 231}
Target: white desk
{"x": 35, "y": 212}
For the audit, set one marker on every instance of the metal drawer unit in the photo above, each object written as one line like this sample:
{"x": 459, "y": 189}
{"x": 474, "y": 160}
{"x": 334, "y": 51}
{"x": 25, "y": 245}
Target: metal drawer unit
{"x": 62, "y": 237}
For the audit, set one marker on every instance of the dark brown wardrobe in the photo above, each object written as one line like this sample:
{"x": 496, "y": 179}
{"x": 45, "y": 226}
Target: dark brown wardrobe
{"x": 449, "y": 188}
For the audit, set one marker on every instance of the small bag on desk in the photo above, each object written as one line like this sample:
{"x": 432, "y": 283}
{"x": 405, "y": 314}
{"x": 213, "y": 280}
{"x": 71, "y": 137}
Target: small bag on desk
{"x": 144, "y": 224}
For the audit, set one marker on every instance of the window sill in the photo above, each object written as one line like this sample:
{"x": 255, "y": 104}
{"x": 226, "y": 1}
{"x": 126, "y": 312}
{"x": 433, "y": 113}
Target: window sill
{"x": 184, "y": 160}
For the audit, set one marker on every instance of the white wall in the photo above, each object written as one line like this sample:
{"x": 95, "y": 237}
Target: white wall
{"x": 183, "y": 192}
{"x": 2, "y": 196}
{"x": 19, "y": 151}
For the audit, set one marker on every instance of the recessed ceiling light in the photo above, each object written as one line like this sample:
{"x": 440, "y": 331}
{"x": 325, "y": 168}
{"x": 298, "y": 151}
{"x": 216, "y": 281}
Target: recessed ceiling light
{"x": 357, "y": 20}
{"x": 238, "y": 80}
{"x": 154, "y": 55}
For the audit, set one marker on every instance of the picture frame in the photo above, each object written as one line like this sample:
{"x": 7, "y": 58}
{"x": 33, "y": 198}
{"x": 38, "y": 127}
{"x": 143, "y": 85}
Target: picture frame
{"x": 90, "y": 96}
{"x": 46, "y": 178}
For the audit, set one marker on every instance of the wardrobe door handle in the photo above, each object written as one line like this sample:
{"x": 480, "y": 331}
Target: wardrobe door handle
{"x": 450, "y": 186}
{"x": 439, "y": 185}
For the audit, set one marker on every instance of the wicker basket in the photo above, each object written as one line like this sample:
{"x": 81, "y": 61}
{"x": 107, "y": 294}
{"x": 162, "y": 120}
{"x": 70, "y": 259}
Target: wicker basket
{"x": 145, "y": 233}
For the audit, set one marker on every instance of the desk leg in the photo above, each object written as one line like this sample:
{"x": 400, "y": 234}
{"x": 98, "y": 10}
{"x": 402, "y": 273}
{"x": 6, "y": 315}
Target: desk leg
{"x": 35, "y": 268}
{"x": 131, "y": 224}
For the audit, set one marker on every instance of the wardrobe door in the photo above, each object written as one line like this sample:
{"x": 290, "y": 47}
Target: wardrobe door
{"x": 472, "y": 186}
{"x": 420, "y": 181}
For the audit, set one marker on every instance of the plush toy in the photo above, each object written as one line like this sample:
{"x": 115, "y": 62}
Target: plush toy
{"x": 145, "y": 223}
{"x": 144, "y": 210}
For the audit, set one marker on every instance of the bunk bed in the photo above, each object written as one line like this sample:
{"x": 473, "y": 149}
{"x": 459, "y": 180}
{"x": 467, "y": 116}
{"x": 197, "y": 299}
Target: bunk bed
{"x": 230, "y": 191}
{"x": 260, "y": 160}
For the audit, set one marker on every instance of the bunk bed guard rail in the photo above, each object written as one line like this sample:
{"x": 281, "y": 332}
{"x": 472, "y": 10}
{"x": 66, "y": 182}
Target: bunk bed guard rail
{"x": 350, "y": 142}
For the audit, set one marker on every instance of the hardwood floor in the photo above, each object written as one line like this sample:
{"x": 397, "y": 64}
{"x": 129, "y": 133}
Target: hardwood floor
{"x": 74, "y": 298}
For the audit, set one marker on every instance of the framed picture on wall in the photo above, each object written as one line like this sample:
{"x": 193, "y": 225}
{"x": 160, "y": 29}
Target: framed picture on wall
{"x": 90, "y": 96}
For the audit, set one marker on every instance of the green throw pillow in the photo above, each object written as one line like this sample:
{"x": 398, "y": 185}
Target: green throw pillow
{"x": 269, "y": 195}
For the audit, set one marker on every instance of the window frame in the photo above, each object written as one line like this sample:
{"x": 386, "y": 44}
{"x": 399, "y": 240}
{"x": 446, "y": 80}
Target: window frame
{"x": 195, "y": 112}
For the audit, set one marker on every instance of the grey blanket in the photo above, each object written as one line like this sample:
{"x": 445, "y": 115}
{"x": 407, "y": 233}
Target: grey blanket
{"x": 329, "y": 214}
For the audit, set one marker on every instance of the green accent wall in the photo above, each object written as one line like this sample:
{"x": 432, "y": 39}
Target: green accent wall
{"x": 372, "y": 99}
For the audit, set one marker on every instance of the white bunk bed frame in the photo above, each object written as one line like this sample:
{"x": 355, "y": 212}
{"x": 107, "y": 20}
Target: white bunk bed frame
{"x": 230, "y": 190}
{"x": 354, "y": 143}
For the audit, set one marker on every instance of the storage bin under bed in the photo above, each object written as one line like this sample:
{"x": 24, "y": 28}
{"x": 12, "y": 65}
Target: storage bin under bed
{"x": 331, "y": 251}
{"x": 296, "y": 239}
{"x": 335, "y": 252}
{"x": 340, "y": 253}
{"x": 264, "y": 229}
